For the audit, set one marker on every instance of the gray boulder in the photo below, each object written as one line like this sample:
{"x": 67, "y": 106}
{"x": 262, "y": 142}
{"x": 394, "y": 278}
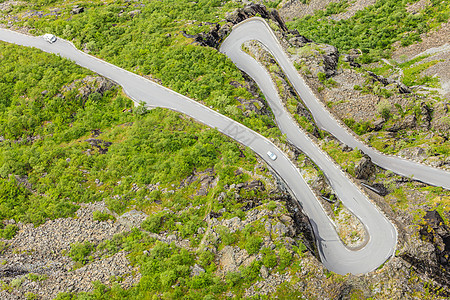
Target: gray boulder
{"x": 280, "y": 229}
{"x": 196, "y": 270}
{"x": 365, "y": 168}
{"x": 132, "y": 219}
{"x": 77, "y": 10}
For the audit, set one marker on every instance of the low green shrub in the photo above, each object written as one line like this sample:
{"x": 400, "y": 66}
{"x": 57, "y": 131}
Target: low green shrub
{"x": 153, "y": 223}
{"x": 9, "y": 231}
{"x": 102, "y": 216}
{"x": 269, "y": 258}
{"x": 285, "y": 258}
{"x": 272, "y": 205}
{"x": 31, "y": 296}
{"x": 80, "y": 252}
{"x": 226, "y": 236}
{"x": 37, "y": 277}
{"x": 253, "y": 244}
{"x": 233, "y": 278}
{"x": 3, "y": 247}
{"x": 322, "y": 77}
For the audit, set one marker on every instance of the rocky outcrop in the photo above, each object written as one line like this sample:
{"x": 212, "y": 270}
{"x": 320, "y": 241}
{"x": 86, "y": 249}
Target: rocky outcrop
{"x": 351, "y": 58}
{"x": 298, "y": 40}
{"x": 365, "y": 168}
{"x": 23, "y": 180}
{"x": 101, "y": 145}
{"x": 409, "y": 122}
{"x": 441, "y": 122}
{"x": 132, "y": 219}
{"x": 380, "y": 189}
{"x": 301, "y": 224}
{"x": 196, "y": 270}
{"x": 436, "y": 232}
{"x": 231, "y": 258}
{"x": 426, "y": 116}
{"x": 77, "y": 10}
{"x": 378, "y": 124}
{"x": 330, "y": 59}
{"x": 402, "y": 88}
{"x": 436, "y": 265}
{"x": 252, "y": 10}
{"x": 267, "y": 286}
{"x": 206, "y": 182}
{"x": 206, "y": 178}
{"x": 415, "y": 153}
{"x": 134, "y": 13}
{"x": 212, "y": 38}
{"x": 217, "y": 33}
{"x": 315, "y": 58}
{"x": 257, "y": 104}
{"x": 88, "y": 86}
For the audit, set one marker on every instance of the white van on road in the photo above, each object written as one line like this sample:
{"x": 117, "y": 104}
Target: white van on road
{"x": 49, "y": 38}
{"x": 271, "y": 155}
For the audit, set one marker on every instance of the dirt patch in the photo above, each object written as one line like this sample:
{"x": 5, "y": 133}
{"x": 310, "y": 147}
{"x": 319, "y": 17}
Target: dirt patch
{"x": 6, "y": 6}
{"x": 291, "y": 9}
{"x": 432, "y": 39}
{"x": 437, "y": 45}
{"x": 414, "y": 8}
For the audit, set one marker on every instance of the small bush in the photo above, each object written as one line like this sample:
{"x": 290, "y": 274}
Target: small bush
{"x": 9, "y": 231}
{"x": 384, "y": 108}
{"x": 300, "y": 249}
{"x": 80, "y": 252}
{"x": 274, "y": 69}
{"x": 233, "y": 278}
{"x": 357, "y": 127}
{"x": 64, "y": 296}
{"x": 272, "y": 205}
{"x": 253, "y": 244}
{"x": 3, "y": 247}
{"x": 252, "y": 272}
{"x": 17, "y": 282}
{"x": 201, "y": 281}
{"x": 31, "y": 296}
{"x": 153, "y": 223}
{"x": 141, "y": 110}
{"x": 285, "y": 257}
{"x": 37, "y": 277}
{"x": 225, "y": 235}
{"x": 322, "y": 76}
{"x": 206, "y": 258}
{"x": 190, "y": 227}
{"x": 269, "y": 258}
{"x": 168, "y": 278}
{"x": 102, "y": 216}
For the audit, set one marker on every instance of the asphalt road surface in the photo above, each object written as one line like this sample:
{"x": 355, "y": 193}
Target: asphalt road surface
{"x": 258, "y": 29}
{"x": 382, "y": 235}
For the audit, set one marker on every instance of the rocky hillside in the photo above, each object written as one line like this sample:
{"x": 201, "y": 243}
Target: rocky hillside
{"x": 356, "y": 93}
{"x": 101, "y": 199}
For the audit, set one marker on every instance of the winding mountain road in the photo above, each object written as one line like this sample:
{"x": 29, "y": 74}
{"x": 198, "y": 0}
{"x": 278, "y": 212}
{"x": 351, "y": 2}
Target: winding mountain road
{"x": 382, "y": 235}
{"x": 258, "y": 29}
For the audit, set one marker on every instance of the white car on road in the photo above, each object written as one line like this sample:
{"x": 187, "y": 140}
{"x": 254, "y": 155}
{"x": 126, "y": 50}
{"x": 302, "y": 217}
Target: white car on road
{"x": 49, "y": 38}
{"x": 271, "y": 155}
